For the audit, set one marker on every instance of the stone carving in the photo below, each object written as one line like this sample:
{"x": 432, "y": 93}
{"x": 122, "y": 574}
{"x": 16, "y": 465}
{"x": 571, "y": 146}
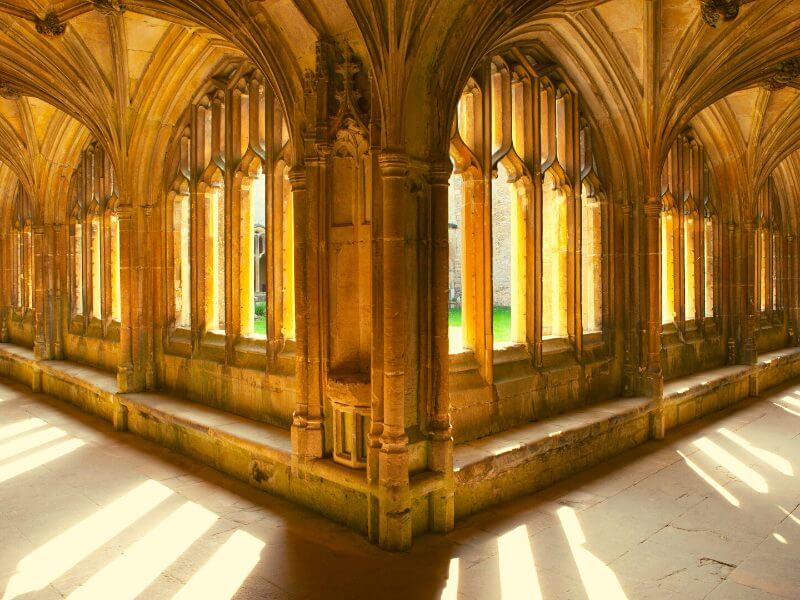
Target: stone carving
{"x": 712, "y": 10}
{"x": 50, "y": 26}
{"x": 788, "y": 71}
{"x": 108, "y": 7}
{"x": 349, "y": 98}
{"x": 8, "y": 91}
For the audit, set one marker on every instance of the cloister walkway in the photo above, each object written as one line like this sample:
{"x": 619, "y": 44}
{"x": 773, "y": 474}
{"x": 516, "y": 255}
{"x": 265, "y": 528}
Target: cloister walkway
{"x": 711, "y": 512}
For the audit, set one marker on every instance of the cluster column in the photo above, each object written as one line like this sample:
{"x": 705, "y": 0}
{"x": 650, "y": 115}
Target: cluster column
{"x": 654, "y": 381}
{"x": 440, "y": 449}
{"x": 394, "y": 519}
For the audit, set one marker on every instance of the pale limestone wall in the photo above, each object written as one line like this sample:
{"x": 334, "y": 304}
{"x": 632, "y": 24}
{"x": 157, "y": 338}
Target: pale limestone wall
{"x": 501, "y": 240}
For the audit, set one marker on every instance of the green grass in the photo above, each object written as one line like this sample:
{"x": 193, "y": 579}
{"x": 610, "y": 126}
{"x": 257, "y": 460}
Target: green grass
{"x": 501, "y": 322}
{"x": 260, "y": 325}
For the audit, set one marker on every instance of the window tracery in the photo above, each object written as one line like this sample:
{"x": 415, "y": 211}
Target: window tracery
{"x": 231, "y": 194}
{"x": 94, "y": 260}
{"x": 23, "y": 260}
{"x": 687, "y": 235}
{"x": 538, "y": 275}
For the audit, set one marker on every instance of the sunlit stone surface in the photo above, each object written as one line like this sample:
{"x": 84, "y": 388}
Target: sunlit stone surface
{"x": 711, "y": 512}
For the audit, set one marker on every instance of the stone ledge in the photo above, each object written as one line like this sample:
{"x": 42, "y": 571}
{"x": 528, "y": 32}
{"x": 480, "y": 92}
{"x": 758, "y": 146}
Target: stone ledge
{"x": 252, "y": 451}
{"x": 506, "y": 450}
{"x": 527, "y": 458}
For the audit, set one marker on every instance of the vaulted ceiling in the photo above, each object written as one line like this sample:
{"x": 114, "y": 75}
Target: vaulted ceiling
{"x": 77, "y": 70}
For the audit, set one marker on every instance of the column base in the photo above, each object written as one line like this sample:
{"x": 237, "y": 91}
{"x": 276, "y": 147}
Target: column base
{"x": 126, "y": 379}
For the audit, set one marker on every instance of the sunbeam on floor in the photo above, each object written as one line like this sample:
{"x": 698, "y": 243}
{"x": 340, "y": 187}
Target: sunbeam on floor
{"x": 89, "y": 513}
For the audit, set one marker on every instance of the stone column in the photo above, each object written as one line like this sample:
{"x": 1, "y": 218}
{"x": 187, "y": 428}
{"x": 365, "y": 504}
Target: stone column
{"x": 628, "y": 315}
{"x": 654, "y": 381}
{"x": 793, "y": 300}
{"x": 146, "y": 321}
{"x": 394, "y": 521}
{"x": 440, "y": 452}
{"x": 5, "y": 284}
{"x": 40, "y": 269}
{"x": 58, "y": 273}
{"x": 306, "y": 423}
{"x": 748, "y": 354}
{"x": 125, "y": 369}
{"x": 728, "y": 287}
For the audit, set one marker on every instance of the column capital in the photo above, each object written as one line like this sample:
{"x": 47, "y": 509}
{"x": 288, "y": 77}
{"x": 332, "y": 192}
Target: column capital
{"x": 124, "y": 211}
{"x": 652, "y": 206}
{"x": 393, "y": 163}
{"x": 439, "y": 172}
{"x": 297, "y": 178}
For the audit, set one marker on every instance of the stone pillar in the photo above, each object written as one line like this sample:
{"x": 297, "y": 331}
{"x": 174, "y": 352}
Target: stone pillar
{"x": 40, "y": 269}
{"x": 749, "y": 354}
{"x": 654, "y": 380}
{"x": 307, "y": 429}
{"x": 58, "y": 272}
{"x": 5, "y": 285}
{"x": 146, "y": 320}
{"x": 440, "y": 444}
{"x": 125, "y": 370}
{"x": 729, "y": 277}
{"x": 791, "y": 288}
{"x": 628, "y": 316}
{"x": 394, "y": 520}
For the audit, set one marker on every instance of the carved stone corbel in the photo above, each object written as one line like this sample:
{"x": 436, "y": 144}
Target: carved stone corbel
{"x": 712, "y": 10}
{"x": 787, "y": 72}
{"x": 50, "y": 25}
{"x": 8, "y": 91}
{"x": 108, "y": 7}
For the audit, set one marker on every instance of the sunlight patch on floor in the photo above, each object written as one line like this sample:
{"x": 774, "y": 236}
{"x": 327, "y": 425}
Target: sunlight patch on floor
{"x": 732, "y": 464}
{"x": 225, "y": 572}
{"x": 50, "y": 561}
{"x": 38, "y": 459}
{"x": 775, "y": 461}
{"x": 450, "y": 591}
{"x": 709, "y": 480}
{"x": 7, "y": 431}
{"x": 30, "y": 441}
{"x": 518, "y": 577}
{"x": 140, "y": 564}
{"x": 599, "y": 580}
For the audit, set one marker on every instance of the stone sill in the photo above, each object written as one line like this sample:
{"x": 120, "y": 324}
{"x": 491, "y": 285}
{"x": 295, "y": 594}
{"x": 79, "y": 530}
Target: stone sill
{"x": 472, "y": 460}
{"x": 524, "y": 459}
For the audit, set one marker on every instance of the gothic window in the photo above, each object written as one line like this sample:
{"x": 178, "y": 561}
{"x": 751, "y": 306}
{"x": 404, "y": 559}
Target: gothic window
{"x": 179, "y": 215}
{"x": 554, "y": 259}
{"x": 96, "y": 260}
{"x": 76, "y": 256}
{"x": 668, "y": 226}
{"x": 287, "y": 250}
{"x": 709, "y": 271}
{"x": 240, "y": 217}
{"x": 112, "y": 229}
{"x": 94, "y": 239}
{"x": 22, "y": 265}
{"x": 455, "y": 211}
{"x": 593, "y": 210}
{"x": 687, "y": 235}
{"x": 526, "y": 246}
{"x": 691, "y": 220}
{"x": 768, "y": 251}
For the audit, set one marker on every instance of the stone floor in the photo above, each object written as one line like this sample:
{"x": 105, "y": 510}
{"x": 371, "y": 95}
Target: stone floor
{"x": 712, "y": 512}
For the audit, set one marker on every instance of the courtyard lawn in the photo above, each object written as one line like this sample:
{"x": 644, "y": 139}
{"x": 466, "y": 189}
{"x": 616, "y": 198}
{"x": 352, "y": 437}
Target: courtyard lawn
{"x": 501, "y": 321}
{"x": 260, "y": 322}
{"x": 260, "y": 325}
